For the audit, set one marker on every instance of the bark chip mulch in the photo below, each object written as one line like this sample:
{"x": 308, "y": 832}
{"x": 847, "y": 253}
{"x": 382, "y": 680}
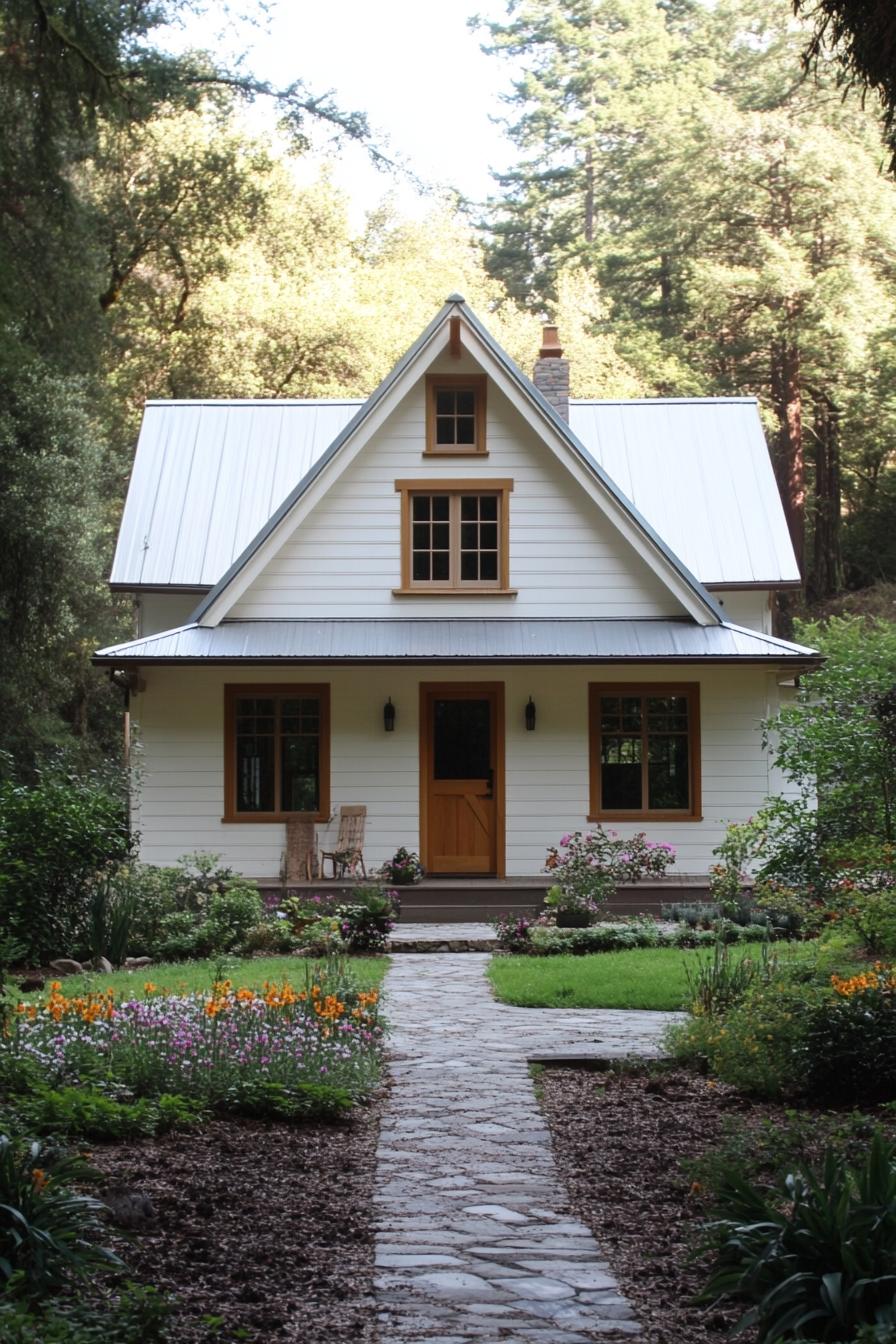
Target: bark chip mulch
{"x": 619, "y": 1142}
{"x": 266, "y": 1225}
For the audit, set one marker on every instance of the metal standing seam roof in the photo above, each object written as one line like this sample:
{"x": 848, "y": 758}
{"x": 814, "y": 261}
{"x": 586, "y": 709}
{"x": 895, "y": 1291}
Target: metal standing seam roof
{"x": 208, "y": 475}
{"x": 456, "y": 641}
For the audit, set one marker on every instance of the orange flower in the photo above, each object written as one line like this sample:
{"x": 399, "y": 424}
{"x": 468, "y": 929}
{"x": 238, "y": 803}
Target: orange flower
{"x": 40, "y": 1178}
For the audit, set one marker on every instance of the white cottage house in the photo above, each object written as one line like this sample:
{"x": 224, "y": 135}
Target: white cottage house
{"x": 486, "y": 612}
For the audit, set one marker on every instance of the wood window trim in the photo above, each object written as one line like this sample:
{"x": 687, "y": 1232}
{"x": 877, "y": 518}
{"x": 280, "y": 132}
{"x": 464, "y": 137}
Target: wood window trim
{"x": 690, "y": 689}
{"x": 456, "y": 487}
{"x": 455, "y": 381}
{"x": 284, "y": 690}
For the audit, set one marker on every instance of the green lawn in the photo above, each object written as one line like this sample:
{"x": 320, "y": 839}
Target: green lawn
{"x": 186, "y": 976}
{"x": 648, "y": 977}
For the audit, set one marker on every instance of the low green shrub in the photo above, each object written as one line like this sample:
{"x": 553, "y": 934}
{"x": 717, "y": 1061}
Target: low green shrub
{"x": 321, "y": 938}
{"x": 871, "y": 916}
{"x": 760, "y": 1044}
{"x": 547, "y": 940}
{"x": 211, "y": 923}
{"x": 47, "y": 1231}
{"x": 366, "y": 921}
{"x": 86, "y": 1113}
{"x": 813, "y": 1254}
{"x": 133, "y": 1315}
{"x": 301, "y": 1101}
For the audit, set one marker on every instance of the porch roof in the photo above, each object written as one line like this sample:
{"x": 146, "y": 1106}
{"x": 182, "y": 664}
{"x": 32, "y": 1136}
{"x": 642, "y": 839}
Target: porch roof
{"x": 502, "y": 640}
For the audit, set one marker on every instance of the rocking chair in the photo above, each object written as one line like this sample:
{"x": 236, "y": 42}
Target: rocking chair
{"x": 347, "y": 856}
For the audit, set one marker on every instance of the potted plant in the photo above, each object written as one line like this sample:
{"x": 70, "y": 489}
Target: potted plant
{"x": 570, "y": 910}
{"x": 403, "y": 869}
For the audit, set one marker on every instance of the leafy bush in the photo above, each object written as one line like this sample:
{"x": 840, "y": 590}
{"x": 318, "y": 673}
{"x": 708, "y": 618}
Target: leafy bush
{"x": 760, "y": 1044}
{"x": 322, "y": 937}
{"x": 512, "y": 931}
{"x": 85, "y": 1113}
{"x": 851, "y": 1040}
{"x": 55, "y": 836}
{"x": 589, "y": 866}
{"x": 272, "y": 936}
{"x": 813, "y": 1254}
{"x": 696, "y": 914}
{"x": 47, "y": 1231}
{"x": 135, "y": 1315}
{"x": 546, "y": 940}
{"x": 367, "y": 920}
{"x": 837, "y": 737}
{"x": 302, "y": 1101}
{"x": 231, "y": 913}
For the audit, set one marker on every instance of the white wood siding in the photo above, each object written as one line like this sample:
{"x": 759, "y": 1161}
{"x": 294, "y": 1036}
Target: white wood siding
{"x": 750, "y": 607}
{"x": 565, "y": 559}
{"x": 164, "y": 611}
{"x": 179, "y": 723}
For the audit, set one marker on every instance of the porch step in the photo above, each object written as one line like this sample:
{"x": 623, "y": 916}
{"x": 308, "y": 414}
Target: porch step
{"x": 451, "y": 937}
{"x": 465, "y": 900}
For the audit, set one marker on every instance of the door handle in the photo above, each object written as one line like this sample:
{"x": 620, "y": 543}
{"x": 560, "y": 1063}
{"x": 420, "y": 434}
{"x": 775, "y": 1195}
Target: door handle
{"x": 490, "y": 784}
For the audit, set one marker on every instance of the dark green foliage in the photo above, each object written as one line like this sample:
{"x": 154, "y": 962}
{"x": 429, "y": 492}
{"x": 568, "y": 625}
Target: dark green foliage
{"x": 813, "y": 1254}
{"x": 850, "y": 1046}
{"x": 133, "y": 1315}
{"x": 54, "y": 838}
{"x": 47, "y": 1231}
{"x": 861, "y": 35}
{"x": 718, "y": 982}
{"x": 304, "y": 1101}
{"x": 86, "y": 1113}
{"x": 833, "y": 738}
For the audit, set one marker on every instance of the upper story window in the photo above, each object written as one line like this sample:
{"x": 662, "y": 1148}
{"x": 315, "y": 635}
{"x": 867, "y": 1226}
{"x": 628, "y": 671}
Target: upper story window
{"x": 455, "y": 415}
{"x": 454, "y": 537}
{"x": 645, "y": 752}
{"x": 277, "y": 752}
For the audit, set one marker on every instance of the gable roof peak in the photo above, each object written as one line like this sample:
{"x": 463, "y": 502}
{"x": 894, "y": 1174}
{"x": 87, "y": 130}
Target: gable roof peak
{"x": 455, "y": 298}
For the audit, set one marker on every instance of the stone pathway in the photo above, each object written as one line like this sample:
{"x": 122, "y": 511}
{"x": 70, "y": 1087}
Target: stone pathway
{"x": 411, "y": 933}
{"x": 474, "y": 1239}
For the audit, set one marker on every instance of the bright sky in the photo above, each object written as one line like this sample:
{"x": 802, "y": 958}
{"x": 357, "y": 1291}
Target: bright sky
{"x": 414, "y": 67}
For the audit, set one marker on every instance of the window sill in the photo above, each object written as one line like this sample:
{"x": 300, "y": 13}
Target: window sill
{"x": 643, "y": 816}
{"x": 454, "y": 451}
{"x": 273, "y": 818}
{"x": 454, "y": 592}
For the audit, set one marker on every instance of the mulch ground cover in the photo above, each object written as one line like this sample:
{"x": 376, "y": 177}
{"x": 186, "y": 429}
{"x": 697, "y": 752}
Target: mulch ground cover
{"x": 265, "y": 1227}
{"x": 626, "y": 1144}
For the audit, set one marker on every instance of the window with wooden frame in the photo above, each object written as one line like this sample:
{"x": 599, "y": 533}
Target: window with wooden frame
{"x": 645, "y": 751}
{"x": 277, "y": 752}
{"x": 455, "y": 415}
{"x": 454, "y": 537}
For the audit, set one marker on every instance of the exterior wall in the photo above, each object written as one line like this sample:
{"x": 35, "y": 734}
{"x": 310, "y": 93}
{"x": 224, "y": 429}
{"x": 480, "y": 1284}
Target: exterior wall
{"x": 179, "y": 728}
{"x": 750, "y": 607}
{"x": 565, "y": 559}
{"x": 164, "y": 611}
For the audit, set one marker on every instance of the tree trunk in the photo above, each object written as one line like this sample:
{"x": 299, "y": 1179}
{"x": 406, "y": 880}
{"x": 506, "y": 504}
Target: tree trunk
{"x": 826, "y": 575}
{"x": 787, "y": 454}
{"x": 589, "y": 195}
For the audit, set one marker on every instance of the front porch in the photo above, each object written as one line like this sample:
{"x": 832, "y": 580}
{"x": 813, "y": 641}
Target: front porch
{"x": 466, "y": 900}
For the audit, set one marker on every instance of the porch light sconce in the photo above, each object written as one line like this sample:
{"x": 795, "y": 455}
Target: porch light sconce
{"x": 389, "y": 716}
{"x": 530, "y": 716}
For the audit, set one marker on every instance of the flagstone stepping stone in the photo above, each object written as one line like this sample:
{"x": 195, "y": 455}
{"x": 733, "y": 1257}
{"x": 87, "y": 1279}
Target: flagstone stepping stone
{"x": 475, "y": 1240}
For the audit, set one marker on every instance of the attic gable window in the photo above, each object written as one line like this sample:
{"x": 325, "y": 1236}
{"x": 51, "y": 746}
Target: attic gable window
{"x": 454, "y": 537}
{"x": 455, "y": 415}
{"x": 645, "y": 752}
{"x": 277, "y": 752}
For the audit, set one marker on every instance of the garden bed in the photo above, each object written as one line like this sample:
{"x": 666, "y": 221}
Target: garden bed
{"x": 266, "y": 1227}
{"x": 635, "y": 1151}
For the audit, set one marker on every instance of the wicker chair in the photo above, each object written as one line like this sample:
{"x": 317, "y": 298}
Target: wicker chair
{"x": 348, "y": 855}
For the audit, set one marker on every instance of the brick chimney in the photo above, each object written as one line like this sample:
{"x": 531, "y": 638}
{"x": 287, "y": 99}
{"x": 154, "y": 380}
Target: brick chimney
{"x": 551, "y": 375}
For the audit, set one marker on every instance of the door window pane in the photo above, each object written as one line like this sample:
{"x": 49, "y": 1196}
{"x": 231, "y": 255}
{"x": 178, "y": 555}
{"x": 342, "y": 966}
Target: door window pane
{"x": 461, "y": 739}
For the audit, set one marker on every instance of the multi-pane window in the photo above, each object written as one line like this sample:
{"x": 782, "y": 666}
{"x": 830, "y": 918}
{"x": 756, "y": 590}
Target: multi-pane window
{"x": 645, "y": 750}
{"x": 277, "y": 751}
{"x": 455, "y": 415}
{"x": 454, "y": 538}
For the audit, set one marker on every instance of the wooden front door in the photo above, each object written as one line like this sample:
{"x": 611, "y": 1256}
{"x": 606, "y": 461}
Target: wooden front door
{"x": 462, "y": 778}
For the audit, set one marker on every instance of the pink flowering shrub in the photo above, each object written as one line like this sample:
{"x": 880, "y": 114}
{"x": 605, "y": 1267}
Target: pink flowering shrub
{"x": 588, "y": 866}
